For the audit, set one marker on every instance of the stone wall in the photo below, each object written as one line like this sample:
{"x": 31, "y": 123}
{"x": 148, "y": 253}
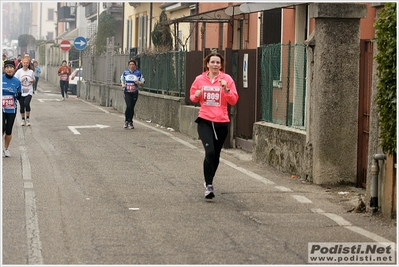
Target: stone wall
{"x": 281, "y": 147}
{"x": 167, "y": 111}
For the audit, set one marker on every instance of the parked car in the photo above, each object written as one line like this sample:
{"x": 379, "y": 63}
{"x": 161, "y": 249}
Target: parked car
{"x": 73, "y": 80}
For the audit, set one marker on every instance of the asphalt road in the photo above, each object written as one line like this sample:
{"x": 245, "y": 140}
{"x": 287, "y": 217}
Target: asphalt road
{"x": 80, "y": 189}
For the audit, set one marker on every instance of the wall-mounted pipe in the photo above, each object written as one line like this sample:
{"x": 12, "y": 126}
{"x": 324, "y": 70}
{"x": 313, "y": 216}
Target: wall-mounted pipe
{"x": 374, "y": 181}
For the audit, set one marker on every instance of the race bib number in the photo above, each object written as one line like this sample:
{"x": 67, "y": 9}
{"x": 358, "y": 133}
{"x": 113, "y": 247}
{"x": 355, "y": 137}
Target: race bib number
{"x": 8, "y": 102}
{"x": 25, "y": 89}
{"x": 131, "y": 87}
{"x": 211, "y": 95}
{"x": 64, "y": 77}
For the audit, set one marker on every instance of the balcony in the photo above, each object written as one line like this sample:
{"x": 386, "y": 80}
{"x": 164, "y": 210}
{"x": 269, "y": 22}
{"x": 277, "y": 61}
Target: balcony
{"x": 90, "y": 10}
{"x": 65, "y": 15}
{"x": 114, "y": 9}
{"x": 173, "y": 6}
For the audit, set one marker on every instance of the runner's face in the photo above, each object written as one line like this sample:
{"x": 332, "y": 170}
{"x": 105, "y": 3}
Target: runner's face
{"x": 132, "y": 66}
{"x": 214, "y": 64}
{"x": 25, "y": 64}
{"x": 9, "y": 70}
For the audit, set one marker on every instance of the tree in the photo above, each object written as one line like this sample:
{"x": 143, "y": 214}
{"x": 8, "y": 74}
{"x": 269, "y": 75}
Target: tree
{"x": 26, "y": 39}
{"x": 106, "y": 29}
{"x": 385, "y": 99}
{"x": 161, "y": 36}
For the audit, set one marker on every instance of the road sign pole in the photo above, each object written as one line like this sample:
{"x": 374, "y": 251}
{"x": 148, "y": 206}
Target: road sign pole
{"x": 80, "y": 44}
{"x": 80, "y": 66}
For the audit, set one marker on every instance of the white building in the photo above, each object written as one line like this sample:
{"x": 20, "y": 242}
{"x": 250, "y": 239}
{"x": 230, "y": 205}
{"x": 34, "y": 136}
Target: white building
{"x": 44, "y": 18}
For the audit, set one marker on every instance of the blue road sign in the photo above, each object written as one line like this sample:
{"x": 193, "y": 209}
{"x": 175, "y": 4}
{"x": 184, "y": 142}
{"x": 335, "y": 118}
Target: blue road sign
{"x": 80, "y": 43}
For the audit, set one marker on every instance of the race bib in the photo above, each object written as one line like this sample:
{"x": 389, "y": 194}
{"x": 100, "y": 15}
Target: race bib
{"x": 211, "y": 95}
{"x": 8, "y": 102}
{"x": 64, "y": 77}
{"x": 131, "y": 87}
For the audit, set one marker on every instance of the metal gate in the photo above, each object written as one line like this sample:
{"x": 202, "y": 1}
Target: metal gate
{"x": 247, "y": 91}
{"x": 283, "y": 84}
{"x": 193, "y": 68}
{"x": 365, "y": 79}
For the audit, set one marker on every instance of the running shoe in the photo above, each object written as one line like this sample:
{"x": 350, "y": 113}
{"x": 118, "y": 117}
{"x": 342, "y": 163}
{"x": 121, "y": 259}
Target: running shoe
{"x": 66, "y": 95}
{"x": 126, "y": 124}
{"x": 62, "y": 99}
{"x": 131, "y": 125}
{"x": 7, "y": 153}
{"x": 209, "y": 192}
{"x": 27, "y": 122}
{"x": 23, "y": 123}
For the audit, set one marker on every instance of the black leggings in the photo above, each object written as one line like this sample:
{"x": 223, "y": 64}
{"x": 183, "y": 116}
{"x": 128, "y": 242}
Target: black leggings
{"x": 212, "y": 135}
{"x": 24, "y": 103}
{"x": 64, "y": 87}
{"x": 35, "y": 83}
{"x": 130, "y": 99}
{"x": 8, "y": 122}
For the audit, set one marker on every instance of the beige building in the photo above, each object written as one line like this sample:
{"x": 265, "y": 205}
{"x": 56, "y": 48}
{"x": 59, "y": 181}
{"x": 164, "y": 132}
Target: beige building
{"x": 43, "y": 18}
{"x": 141, "y": 19}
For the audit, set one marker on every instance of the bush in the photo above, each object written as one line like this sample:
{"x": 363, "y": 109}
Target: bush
{"x": 385, "y": 29}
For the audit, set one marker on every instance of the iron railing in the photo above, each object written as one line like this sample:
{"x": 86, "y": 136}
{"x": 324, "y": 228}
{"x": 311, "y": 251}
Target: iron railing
{"x": 283, "y": 84}
{"x": 282, "y": 78}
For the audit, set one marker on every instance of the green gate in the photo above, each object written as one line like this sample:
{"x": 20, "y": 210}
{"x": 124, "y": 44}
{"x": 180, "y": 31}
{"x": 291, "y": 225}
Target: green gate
{"x": 283, "y": 84}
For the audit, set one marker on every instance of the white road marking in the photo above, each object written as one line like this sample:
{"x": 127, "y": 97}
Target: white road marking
{"x": 302, "y": 199}
{"x": 247, "y": 172}
{"x": 370, "y": 235}
{"x": 103, "y": 110}
{"x": 42, "y": 100}
{"x": 28, "y": 185}
{"x": 338, "y": 219}
{"x": 26, "y": 172}
{"x": 32, "y": 230}
{"x": 32, "y": 225}
{"x": 342, "y": 222}
{"x": 73, "y": 128}
{"x": 283, "y": 188}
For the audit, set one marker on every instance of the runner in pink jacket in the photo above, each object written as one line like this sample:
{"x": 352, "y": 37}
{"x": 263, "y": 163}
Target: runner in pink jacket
{"x": 214, "y": 90}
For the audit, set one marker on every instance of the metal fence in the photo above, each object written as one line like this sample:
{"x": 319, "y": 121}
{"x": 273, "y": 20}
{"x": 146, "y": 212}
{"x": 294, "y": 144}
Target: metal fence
{"x": 105, "y": 68}
{"x": 283, "y": 84}
{"x": 164, "y": 73}
{"x": 282, "y": 77}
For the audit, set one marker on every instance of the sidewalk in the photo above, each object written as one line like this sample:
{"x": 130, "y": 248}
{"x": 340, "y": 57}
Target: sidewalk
{"x": 45, "y": 86}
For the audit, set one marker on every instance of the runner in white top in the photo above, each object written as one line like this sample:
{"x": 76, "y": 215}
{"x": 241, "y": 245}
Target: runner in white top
{"x": 27, "y": 78}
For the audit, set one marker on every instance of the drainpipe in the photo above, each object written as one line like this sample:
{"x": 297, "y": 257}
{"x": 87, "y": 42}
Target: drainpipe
{"x": 374, "y": 181}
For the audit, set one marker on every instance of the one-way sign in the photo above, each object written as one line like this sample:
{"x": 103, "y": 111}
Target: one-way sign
{"x": 80, "y": 43}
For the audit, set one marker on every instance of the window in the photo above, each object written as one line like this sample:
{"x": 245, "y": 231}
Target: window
{"x": 142, "y": 32}
{"x": 50, "y": 36}
{"x": 50, "y": 14}
{"x": 180, "y": 37}
{"x": 272, "y": 26}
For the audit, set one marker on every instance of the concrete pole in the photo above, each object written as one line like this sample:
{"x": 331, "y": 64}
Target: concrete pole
{"x": 334, "y": 91}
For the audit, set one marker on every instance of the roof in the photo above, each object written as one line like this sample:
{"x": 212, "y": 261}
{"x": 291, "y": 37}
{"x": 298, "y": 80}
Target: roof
{"x": 226, "y": 14}
{"x": 212, "y": 16}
